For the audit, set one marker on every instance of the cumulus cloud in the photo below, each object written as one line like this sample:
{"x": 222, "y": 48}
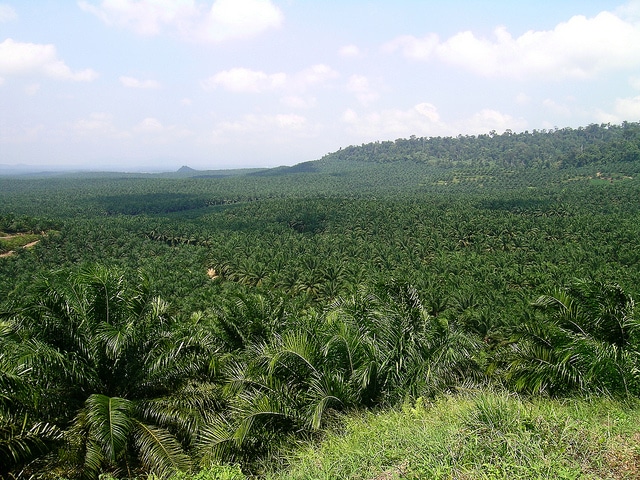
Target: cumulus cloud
{"x": 424, "y": 119}
{"x": 131, "y": 82}
{"x": 578, "y": 48}
{"x": 17, "y": 58}
{"x": 229, "y": 19}
{"x": 7, "y": 13}
{"x": 244, "y": 80}
{"x": 195, "y": 21}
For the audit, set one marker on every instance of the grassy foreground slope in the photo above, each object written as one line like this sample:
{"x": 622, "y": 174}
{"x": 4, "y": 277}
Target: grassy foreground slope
{"x": 480, "y": 435}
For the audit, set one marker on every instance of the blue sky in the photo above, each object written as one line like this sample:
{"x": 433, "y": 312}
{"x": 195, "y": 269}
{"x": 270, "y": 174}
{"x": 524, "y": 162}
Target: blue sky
{"x": 156, "y": 84}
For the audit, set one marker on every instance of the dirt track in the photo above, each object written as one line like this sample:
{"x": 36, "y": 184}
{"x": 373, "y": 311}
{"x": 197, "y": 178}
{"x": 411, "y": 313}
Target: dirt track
{"x": 11, "y": 252}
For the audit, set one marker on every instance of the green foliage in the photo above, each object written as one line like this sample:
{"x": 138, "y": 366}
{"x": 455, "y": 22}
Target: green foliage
{"x": 120, "y": 359}
{"x": 585, "y": 341}
{"x": 482, "y": 435}
{"x": 217, "y": 472}
{"x": 563, "y": 148}
{"x": 273, "y": 302}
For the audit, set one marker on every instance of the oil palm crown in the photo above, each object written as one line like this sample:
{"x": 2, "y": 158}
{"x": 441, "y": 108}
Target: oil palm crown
{"x": 583, "y": 338}
{"x": 125, "y": 358}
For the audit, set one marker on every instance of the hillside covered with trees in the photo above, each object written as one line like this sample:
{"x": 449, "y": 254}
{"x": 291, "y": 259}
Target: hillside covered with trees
{"x": 194, "y": 322}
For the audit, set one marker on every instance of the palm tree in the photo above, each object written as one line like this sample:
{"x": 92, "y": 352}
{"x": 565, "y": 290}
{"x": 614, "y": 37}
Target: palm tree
{"x": 583, "y": 338}
{"x": 24, "y": 438}
{"x": 366, "y": 350}
{"x": 125, "y": 363}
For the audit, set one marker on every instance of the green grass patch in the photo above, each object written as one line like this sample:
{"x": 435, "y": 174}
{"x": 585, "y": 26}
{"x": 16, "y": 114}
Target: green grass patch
{"x": 480, "y": 436}
{"x": 12, "y": 242}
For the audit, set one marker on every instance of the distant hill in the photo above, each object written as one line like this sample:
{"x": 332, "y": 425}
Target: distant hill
{"x": 186, "y": 170}
{"x": 548, "y": 149}
{"x": 559, "y": 148}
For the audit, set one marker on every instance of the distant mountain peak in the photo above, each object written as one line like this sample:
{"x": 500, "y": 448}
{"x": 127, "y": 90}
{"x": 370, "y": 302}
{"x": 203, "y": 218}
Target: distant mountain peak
{"x": 186, "y": 169}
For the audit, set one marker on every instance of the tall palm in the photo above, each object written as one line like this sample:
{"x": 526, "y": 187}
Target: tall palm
{"x": 125, "y": 359}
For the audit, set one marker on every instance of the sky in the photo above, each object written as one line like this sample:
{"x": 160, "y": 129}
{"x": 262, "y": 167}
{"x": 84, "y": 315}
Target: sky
{"x": 153, "y": 85}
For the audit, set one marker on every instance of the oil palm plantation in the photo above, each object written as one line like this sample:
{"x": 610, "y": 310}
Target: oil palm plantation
{"x": 116, "y": 367}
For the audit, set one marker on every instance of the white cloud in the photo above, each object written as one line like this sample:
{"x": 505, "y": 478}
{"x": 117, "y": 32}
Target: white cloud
{"x": 7, "y": 13}
{"x": 244, "y": 80}
{"x": 578, "y": 48}
{"x": 487, "y": 120}
{"x": 230, "y": 19}
{"x": 315, "y": 74}
{"x": 131, "y": 82}
{"x": 424, "y": 119}
{"x": 628, "y": 108}
{"x": 349, "y": 51}
{"x": 635, "y": 82}
{"x": 191, "y": 20}
{"x": 17, "y": 58}
{"x": 149, "y": 125}
{"x": 144, "y": 17}
{"x": 362, "y": 89}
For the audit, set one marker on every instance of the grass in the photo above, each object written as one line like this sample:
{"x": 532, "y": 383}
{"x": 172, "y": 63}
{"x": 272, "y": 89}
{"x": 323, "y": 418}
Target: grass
{"x": 12, "y": 242}
{"x": 480, "y": 436}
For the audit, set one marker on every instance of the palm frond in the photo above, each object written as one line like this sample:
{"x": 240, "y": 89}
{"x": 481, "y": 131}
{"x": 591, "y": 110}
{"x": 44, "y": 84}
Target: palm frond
{"x": 22, "y": 441}
{"x": 159, "y": 451}
{"x": 109, "y": 422}
{"x": 261, "y": 410}
{"x": 215, "y": 442}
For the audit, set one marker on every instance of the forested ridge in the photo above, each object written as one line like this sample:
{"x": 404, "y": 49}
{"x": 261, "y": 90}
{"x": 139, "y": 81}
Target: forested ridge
{"x": 180, "y": 324}
{"x": 561, "y": 148}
